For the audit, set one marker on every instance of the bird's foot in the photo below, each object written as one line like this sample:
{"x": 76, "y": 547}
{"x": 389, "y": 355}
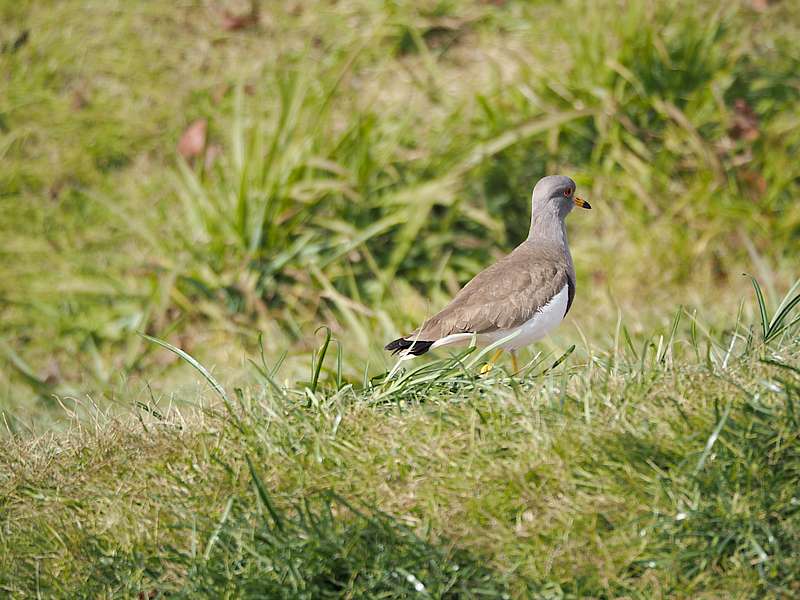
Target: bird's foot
{"x": 490, "y": 365}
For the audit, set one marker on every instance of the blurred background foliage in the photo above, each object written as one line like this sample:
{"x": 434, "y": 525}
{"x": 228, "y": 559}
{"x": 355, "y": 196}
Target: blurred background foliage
{"x": 206, "y": 172}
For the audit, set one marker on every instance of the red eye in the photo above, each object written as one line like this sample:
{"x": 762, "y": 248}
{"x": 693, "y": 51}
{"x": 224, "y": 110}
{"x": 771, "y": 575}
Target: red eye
{"x": 567, "y": 192}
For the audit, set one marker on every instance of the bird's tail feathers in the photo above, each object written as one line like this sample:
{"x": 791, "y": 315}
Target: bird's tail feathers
{"x": 415, "y": 347}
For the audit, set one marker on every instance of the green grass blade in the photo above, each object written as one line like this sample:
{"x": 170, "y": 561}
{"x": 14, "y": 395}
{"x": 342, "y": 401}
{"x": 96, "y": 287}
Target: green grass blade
{"x": 562, "y": 358}
{"x": 789, "y": 295}
{"x": 218, "y": 529}
{"x": 320, "y": 358}
{"x": 762, "y": 307}
{"x": 264, "y": 495}
{"x": 675, "y": 323}
{"x": 712, "y": 439}
{"x": 776, "y": 325}
{"x": 193, "y": 362}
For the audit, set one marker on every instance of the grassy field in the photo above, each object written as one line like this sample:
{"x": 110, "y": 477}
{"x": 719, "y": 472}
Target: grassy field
{"x": 358, "y": 162}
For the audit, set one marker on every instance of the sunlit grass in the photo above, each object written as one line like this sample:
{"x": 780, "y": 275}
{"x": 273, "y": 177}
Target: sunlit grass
{"x": 662, "y": 465}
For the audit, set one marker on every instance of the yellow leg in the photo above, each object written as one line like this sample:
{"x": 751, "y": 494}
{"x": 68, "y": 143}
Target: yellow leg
{"x": 489, "y": 365}
{"x": 514, "y": 362}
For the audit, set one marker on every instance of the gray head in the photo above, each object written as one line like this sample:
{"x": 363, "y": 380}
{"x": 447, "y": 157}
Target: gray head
{"x": 556, "y": 193}
{"x": 553, "y": 199}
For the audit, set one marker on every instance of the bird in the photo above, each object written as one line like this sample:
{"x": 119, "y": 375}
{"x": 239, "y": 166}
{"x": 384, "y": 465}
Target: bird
{"x": 521, "y": 297}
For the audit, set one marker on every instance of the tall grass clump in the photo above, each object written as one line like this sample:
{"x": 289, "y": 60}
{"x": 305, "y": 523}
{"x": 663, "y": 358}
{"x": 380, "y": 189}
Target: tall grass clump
{"x": 296, "y": 195}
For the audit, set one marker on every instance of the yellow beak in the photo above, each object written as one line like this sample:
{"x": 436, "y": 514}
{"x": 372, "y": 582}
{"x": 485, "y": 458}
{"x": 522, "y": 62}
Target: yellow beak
{"x": 582, "y": 203}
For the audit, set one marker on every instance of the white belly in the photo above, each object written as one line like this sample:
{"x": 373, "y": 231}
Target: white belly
{"x": 538, "y": 326}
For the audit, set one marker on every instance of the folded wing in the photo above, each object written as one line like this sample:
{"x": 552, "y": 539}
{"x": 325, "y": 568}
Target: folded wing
{"x": 504, "y": 296}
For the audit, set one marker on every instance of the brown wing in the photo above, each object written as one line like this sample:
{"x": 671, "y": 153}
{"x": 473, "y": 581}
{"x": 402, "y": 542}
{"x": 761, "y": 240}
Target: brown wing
{"x": 505, "y": 295}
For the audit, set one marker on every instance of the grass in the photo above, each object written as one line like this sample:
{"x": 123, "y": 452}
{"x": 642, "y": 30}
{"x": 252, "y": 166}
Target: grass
{"x": 667, "y": 471}
{"x": 362, "y": 161}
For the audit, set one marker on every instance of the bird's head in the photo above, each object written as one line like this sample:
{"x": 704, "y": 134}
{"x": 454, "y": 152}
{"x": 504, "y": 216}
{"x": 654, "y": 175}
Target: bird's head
{"x": 556, "y": 193}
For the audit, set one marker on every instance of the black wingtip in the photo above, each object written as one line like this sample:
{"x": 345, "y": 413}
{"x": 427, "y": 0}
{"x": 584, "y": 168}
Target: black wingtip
{"x": 415, "y": 347}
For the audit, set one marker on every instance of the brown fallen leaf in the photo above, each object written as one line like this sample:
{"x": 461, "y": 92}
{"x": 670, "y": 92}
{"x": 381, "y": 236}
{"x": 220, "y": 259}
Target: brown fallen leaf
{"x": 231, "y": 22}
{"x": 234, "y": 22}
{"x": 754, "y": 181}
{"x": 193, "y": 140}
{"x": 745, "y": 122}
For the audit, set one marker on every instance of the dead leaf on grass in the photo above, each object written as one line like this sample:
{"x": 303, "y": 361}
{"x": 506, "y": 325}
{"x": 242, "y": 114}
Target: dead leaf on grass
{"x": 236, "y": 22}
{"x": 193, "y": 140}
{"x": 745, "y": 122}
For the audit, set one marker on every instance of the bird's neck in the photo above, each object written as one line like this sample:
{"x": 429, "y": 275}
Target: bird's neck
{"x": 548, "y": 225}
